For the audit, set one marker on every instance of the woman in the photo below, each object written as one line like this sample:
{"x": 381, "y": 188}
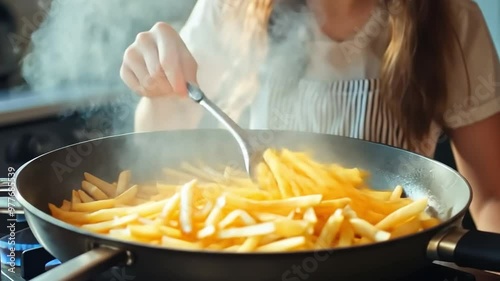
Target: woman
{"x": 399, "y": 72}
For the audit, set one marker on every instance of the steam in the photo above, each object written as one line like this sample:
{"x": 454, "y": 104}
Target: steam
{"x": 81, "y": 43}
{"x": 78, "y": 49}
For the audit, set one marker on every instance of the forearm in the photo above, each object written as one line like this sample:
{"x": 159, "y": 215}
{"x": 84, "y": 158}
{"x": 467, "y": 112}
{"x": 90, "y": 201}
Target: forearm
{"x": 486, "y": 214}
{"x": 154, "y": 114}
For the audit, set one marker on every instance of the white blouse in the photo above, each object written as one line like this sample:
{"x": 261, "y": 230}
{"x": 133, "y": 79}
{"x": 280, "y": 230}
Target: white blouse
{"x": 315, "y": 84}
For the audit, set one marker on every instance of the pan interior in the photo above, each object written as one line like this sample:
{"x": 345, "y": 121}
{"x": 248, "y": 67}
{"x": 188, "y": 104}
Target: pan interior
{"x": 51, "y": 177}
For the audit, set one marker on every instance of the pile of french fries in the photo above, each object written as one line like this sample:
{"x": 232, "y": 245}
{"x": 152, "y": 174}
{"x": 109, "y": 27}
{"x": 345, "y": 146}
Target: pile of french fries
{"x": 293, "y": 204}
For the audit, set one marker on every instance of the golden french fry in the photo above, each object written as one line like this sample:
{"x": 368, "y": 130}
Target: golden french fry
{"x": 266, "y": 217}
{"x": 179, "y": 243}
{"x": 126, "y": 197}
{"x": 186, "y": 207}
{"x": 407, "y": 228}
{"x": 68, "y": 216}
{"x": 123, "y": 182}
{"x": 295, "y": 204}
{"x": 107, "y": 214}
{"x": 149, "y": 231}
{"x": 170, "y": 231}
{"x": 288, "y": 203}
{"x": 93, "y": 206}
{"x": 170, "y": 205}
{"x": 66, "y": 205}
{"x": 250, "y": 244}
{"x": 310, "y": 215}
{"x": 289, "y": 228}
{"x": 429, "y": 223}
{"x": 367, "y": 230}
{"x": 346, "y": 236}
{"x": 102, "y": 227}
{"x": 106, "y": 187}
{"x": 245, "y": 231}
{"x": 403, "y": 214}
{"x": 148, "y": 208}
{"x": 75, "y": 197}
{"x": 330, "y": 230}
{"x": 327, "y": 207}
{"x": 396, "y": 194}
{"x": 283, "y": 245}
{"x": 84, "y": 196}
{"x": 94, "y": 191}
{"x": 234, "y": 216}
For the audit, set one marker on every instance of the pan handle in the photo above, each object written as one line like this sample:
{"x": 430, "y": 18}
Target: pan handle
{"x": 87, "y": 265}
{"x": 467, "y": 248}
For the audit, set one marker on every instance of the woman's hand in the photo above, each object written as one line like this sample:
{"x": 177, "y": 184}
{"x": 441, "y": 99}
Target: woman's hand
{"x": 158, "y": 63}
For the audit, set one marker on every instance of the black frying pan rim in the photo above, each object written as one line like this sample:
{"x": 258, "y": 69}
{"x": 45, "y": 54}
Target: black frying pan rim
{"x": 100, "y": 237}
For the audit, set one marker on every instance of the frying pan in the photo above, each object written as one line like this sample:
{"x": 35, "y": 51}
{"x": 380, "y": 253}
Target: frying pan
{"x": 51, "y": 177}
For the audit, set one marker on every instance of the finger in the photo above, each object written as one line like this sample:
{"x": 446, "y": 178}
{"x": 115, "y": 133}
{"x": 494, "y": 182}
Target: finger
{"x": 169, "y": 57}
{"x": 135, "y": 61}
{"x": 159, "y": 85}
{"x": 147, "y": 46}
{"x": 129, "y": 78}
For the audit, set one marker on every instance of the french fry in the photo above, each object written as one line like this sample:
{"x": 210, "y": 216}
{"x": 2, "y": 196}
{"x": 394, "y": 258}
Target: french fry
{"x": 75, "y": 197}
{"x": 126, "y": 197}
{"x": 178, "y": 243}
{"x": 102, "y": 227}
{"x": 107, "y": 214}
{"x": 123, "y": 182}
{"x": 287, "y": 204}
{"x": 234, "y": 216}
{"x": 250, "y": 244}
{"x": 107, "y": 188}
{"x": 186, "y": 207}
{"x": 396, "y": 194}
{"x": 346, "y": 236}
{"x": 330, "y": 230}
{"x": 430, "y": 222}
{"x": 93, "y": 191}
{"x": 147, "y": 232}
{"x": 367, "y": 230}
{"x": 252, "y": 230}
{"x": 403, "y": 214}
{"x": 283, "y": 245}
{"x": 66, "y": 205}
{"x": 294, "y": 204}
{"x": 411, "y": 226}
{"x": 93, "y": 206}
{"x": 84, "y": 196}
{"x": 68, "y": 216}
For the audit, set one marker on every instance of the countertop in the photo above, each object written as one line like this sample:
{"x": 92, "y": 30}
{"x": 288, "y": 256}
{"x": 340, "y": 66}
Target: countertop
{"x": 18, "y": 106}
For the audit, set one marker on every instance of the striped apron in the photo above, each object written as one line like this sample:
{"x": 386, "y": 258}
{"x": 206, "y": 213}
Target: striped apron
{"x": 346, "y": 108}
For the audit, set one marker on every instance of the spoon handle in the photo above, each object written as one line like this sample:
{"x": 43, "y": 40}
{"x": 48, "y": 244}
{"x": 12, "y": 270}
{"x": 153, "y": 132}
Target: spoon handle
{"x": 238, "y": 133}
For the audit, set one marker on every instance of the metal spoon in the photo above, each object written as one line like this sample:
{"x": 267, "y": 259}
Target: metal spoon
{"x": 251, "y": 157}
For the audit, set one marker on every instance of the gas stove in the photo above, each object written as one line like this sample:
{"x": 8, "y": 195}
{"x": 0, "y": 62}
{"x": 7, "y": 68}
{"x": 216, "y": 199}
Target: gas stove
{"x": 30, "y": 259}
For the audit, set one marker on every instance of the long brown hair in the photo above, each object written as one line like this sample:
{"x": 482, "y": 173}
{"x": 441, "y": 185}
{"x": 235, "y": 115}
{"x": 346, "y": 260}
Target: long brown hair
{"x": 414, "y": 73}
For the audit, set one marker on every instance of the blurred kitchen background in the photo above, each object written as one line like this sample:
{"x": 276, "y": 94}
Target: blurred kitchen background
{"x": 70, "y": 90}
